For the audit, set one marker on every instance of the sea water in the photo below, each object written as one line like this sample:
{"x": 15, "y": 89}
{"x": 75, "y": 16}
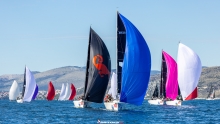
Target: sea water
{"x": 42, "y": 111}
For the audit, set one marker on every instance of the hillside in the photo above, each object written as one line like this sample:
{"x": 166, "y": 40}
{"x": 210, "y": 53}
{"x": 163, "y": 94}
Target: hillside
{"x": 76, "y": 75}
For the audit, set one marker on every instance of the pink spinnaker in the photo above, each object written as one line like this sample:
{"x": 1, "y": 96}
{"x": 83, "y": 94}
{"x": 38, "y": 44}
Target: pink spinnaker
{"x": 171, "y": 83}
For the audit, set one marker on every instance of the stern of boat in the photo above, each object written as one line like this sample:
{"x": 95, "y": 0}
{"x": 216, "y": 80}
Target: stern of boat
{"x": 80, "y": 104}
{"x": 174, "y": 102}
{"x": 113, "y": 105}
{"x": 156, "y": 102}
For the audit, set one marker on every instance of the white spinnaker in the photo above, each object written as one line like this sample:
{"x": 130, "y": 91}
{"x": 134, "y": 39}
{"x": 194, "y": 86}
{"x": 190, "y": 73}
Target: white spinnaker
{"x": 67, "y": 92}
{"x": 62, "y": 92}
{"x": 30, "y": 86}
{"x": 189, "y": 70}
{"x": 14, "y": 91}
{"x": 113, "y": 89}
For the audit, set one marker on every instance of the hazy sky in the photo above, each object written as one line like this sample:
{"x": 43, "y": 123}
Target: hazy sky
{"x": 47, "y": 34}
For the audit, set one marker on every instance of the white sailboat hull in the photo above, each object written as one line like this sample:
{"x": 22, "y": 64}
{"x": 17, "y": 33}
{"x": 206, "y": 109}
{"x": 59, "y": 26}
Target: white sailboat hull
{"x": 174, "y": 102}
{"x": 210, "y": 99}
{"x": 156, "y": 102}
{"x": 113, "y": 106}
{"x": 19, "y": 100}
{"x": 80, "y": 104}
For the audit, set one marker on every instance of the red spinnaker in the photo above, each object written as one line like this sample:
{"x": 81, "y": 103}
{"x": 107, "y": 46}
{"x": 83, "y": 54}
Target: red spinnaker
{"x": 51, "y": 92}
{"x": 73, "y": 92}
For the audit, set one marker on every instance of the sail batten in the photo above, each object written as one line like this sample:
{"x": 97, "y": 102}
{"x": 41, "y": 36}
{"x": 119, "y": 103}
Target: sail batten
{"x": 136, "y": 65}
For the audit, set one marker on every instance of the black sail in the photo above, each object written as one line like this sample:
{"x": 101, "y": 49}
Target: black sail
{"x": 163, "y": 78}
{"x": 156, "y": 93}
{"x": 97, "y": 70}
{"x": 24, "y": 84}
{"x": 121, "y": 42}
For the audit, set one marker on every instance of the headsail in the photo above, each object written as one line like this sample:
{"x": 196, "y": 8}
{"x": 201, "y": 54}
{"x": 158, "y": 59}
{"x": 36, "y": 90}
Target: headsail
{"x": 51, "y": 92}
{"x": 171, "y": 82}
{"x": 73, "y": 92}
{"x": 62, "y": 92}
{"x": 14, "y": 91}
{"x": 136, "y": 65}
{"x": 97, "y": 70}
{"x": 35, "y": 93}
{"x": 113, "y": 89}
{"x": 29, "y": 85}
{"x": 189, "y": 71}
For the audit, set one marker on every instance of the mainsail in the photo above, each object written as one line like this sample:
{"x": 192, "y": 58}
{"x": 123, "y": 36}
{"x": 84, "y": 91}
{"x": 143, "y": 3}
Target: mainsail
{"x": 73, "y": 92}
{"x": 14, "y": 91}
{"x": 98, "y": 69}
{"x": 211, "y": 93}
{"x": 136, "y": 65}
{"x": 62, "y": 92}
{"x": 163, "y": 77}
{"x": 156, "y": 92}
{"x": 189, "y": 71}
{"x": 120, "y": 46}
{"x": 51, "y": 92}
{"x": 171, "y": 77}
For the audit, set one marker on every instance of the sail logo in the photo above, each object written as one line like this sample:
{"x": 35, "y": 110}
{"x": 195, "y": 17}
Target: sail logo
{"x": 98, "y": 63}
{"x": 121, "y": 32}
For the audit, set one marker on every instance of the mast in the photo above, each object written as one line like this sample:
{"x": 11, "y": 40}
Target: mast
{"x": 87, "y": 66}
{"x": 24, "y": 84}
{"x": 120, "y": 47}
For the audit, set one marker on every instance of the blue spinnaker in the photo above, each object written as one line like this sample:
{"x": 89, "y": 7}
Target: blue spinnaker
{"x": 35, "y": 93}
{"x": 136, "y": 66}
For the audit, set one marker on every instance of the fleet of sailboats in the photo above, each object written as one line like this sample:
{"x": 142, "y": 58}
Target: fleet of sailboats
{"x": 129, "y": 83}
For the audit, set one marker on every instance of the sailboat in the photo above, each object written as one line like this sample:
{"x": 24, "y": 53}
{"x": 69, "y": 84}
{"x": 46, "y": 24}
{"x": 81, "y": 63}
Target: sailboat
{"x": 211, "y": 95}
{"x": 132, "y": 67}
{"x": 62, "y": 92}
{"x": 156, "y": 100}
{"x": 171, "y": 83}
{"x": 189, "y": 70}
{"x": 14, "y": 91}
{"x": 35, "y": 93}
{"x": 29, "y": 87}
{"x": 73, "y": 92}
{"x": 51, "y": 92}
{"x": 98, "y": 69}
